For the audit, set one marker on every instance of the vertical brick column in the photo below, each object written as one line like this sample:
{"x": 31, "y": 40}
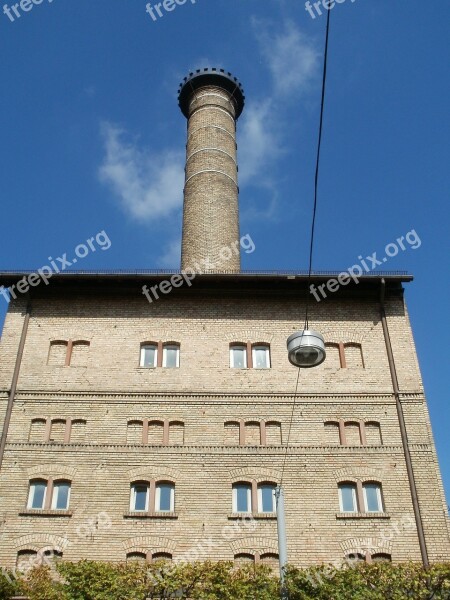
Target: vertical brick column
{"x": 212, "y": 102}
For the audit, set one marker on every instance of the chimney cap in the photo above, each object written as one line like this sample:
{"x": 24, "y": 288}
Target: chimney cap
{"x": 210, "y": 76}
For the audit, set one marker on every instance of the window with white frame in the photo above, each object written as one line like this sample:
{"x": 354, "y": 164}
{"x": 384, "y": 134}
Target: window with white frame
{"x": 37, "y": 494}
{"x": 242, "y": 498}
{"x": 61, "y": 495}
{"x": 261, "y": 357}
{"x": 164, "y": 497}
{"x": 238, "y": 357}
{"x": 348, "y": 497}
{"x": 139, "y": 496}
{"x": 266, "y": 498}
{"x": 171, "y": 356}
{"x": 45, "y": 494}
{"x": 373, "y": 501}
{"x": 149, "y": 353}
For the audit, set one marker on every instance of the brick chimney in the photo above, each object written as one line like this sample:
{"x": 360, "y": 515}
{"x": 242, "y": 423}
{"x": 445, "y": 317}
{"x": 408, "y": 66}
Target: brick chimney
{"x": 212, "y": 101}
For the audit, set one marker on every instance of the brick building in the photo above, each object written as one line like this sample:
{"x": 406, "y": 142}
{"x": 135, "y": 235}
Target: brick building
{"x": 144, "y": 428}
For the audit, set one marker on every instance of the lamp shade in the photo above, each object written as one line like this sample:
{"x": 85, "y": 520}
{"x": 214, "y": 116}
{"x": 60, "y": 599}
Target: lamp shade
{"x": 306, "y": 349}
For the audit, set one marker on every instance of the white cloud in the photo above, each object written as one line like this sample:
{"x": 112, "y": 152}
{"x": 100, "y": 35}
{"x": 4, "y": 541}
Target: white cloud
{"x": 293, "y": 62}
{"x": 257, "y": 141}
{"x": 171, "y": 256}
{"x": 148, "y": 185}
{"x": 290, "y": 55}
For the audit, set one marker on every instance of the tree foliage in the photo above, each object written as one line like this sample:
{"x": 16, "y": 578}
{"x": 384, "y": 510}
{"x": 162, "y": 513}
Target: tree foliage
{"x": 89, "y": 580}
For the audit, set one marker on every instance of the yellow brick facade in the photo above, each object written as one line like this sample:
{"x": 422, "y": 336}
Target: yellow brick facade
{"x": 213, "y": 416}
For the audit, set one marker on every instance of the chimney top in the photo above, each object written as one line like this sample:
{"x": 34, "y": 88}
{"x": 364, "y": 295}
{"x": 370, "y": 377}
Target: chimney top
{"x": 210, "y": 76}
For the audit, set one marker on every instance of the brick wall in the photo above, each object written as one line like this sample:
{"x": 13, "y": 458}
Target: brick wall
{"x": 204, "y": 394}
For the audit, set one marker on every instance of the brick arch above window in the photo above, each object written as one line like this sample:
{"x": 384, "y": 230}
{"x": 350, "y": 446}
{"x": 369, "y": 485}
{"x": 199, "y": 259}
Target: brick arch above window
{"x": 372, "y": 545}
{"x": 250, "y": 334}
{"x": 358, "y": 473}
{"x": 156, "y": 473}
{"x": 253, "y": 474}
{"x": 252, "y": 544}
{"x": 37, "y": 542}
{"x": 53, "y": 471}
{"x": 149, "y": 543}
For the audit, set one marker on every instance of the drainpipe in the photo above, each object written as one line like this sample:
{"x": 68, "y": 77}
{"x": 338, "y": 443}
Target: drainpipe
{"x": 12, "y": 391}
{"x": 404, "y": 435}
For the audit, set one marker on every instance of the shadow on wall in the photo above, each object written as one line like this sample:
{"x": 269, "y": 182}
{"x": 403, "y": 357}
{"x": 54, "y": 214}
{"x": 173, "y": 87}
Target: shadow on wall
{"x": 3, "y": 311}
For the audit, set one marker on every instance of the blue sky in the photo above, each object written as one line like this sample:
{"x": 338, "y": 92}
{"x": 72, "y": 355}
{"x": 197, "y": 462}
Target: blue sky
{"x": 92, "y": 139}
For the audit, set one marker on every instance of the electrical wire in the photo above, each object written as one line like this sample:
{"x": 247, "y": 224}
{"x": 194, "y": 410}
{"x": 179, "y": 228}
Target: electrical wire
{"x": 316, "y": 178}
{"x": 313, "y": 226}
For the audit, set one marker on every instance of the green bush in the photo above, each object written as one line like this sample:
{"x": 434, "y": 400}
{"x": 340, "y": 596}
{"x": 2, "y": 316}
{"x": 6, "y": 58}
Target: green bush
{"x": 88, "y": 580}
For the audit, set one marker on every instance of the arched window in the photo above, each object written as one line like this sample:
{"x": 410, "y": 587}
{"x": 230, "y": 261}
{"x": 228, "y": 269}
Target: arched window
{"x": 58, "y": 430}
{"x": 333, "y": 360}
{"x": 273, "y": 433}
{"x": 161, "y": 557}
{"x": 355, "y": 558}
{"x": 149, "y": 355}
{"x": 57, "y": 353}
{"x": 261, "y": 356}
{"x": 354, "y": 355}
{"x": 271, "y": 560}
{"x": 155, "y": 433}
{"x": 231, "y": 433}
{"x": 171, "y": 355}
{"x": 133, "y": 557}
{"x": 381, "y": 557}
{"x": 139, "y": 499}
{"x": 348, "y": 497}
{"x": 266, "y": 497}
{"x": 252, "y": 433}
{"x": 242, "y": 497}
{"x": 78, "y": 433}
{"x": 80, "y": 353}
{"x": 165, "y": 497}
{"x": 238, "y": 356}
{"x": 26, "y": 560}
{"x": 373, "y": 497}
{"x": 352, "y": 433}
{"x": 37, "y": 430}
{"x": 176, "y": 433}
{"x": 134, "y": 432}
{"x": 332, "y": 435}
{"x": 37, "y": 494}
{"x": 242, "y": 559}
{"x": 61, "y": 495}
{"x": 373, "y": 434}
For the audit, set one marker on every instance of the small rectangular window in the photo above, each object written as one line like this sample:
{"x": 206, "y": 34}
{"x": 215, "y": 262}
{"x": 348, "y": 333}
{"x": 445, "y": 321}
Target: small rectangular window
{"x": 242, "y": 498}
{"x": 238, "y": 357}
{"x": 61, "y": 495}
{"x": 36, "y": 498}
{"x": 171, "y": 357}
{"x": 261, "y": 357}
{"x": 372, "y": 497}
{"x": 148, "y": 356}
{"x": 266, "y": 498}
{"x": 347, "y": 497}
{"x": 164, "y": 497}
{"x": 139, "y": 497}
